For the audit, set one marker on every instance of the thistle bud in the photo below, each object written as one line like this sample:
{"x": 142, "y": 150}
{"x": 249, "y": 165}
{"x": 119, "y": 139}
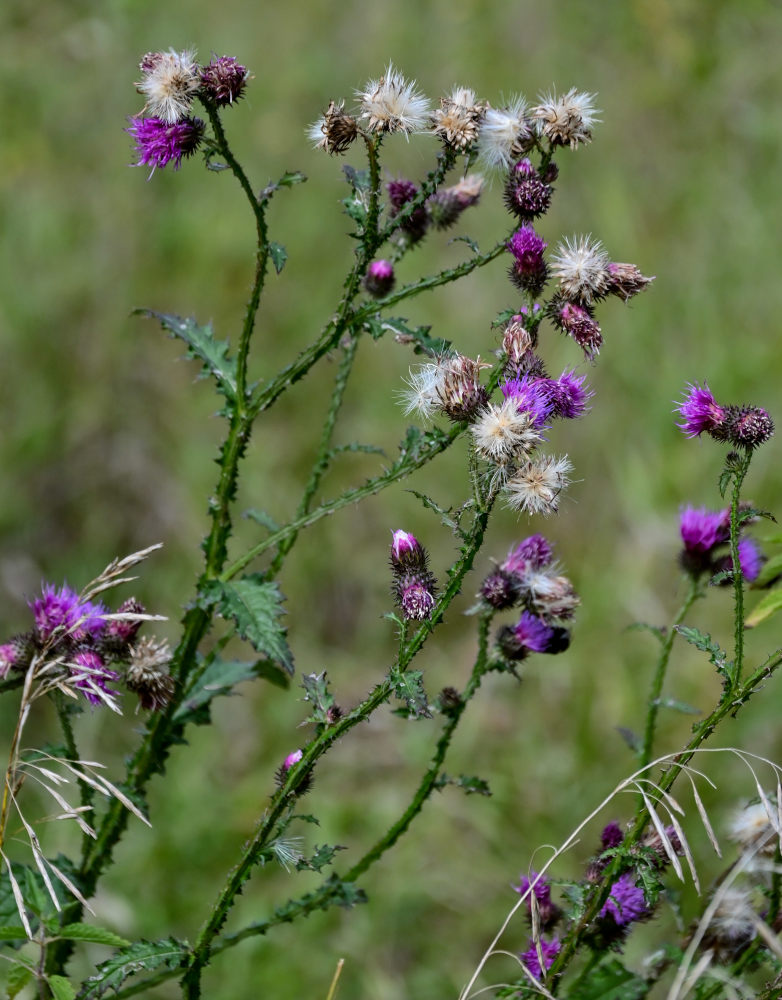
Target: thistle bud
{"x": 223, "y": 80}
{"x": 526, "y": 194}
{"x": 578, "y": 322}
{"x": 528, "y": 270}
{"x": 148, "y": 674}
{"x": 449, "y": 699}
{"x": 120, "y": 632}
{"x": 282, "y": 772}
{"x": 16, "y": 654}
{"x": 379, "y": 279}
{"x": 500, "y": 589}
{"x": 413, "y": 585}
{"x": 626, "y": 280}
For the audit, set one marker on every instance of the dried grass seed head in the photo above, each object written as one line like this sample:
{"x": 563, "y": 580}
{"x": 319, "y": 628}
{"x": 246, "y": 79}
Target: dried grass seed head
{"x": 566, "y": 120}
{"x": 169, "y": 83}
{"x": 392, "y": 104}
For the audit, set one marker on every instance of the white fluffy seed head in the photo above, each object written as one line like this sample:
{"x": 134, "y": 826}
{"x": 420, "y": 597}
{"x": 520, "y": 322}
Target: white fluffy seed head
{"x": 536, "y": 488}
{"x": 580, "y": 264}
{"x": 752, "y": 829}
{"x": 505, "y": 135}
{"x": 566, "y": 120}
{"x": 457, "y": 119}
{"x": 503, "y": 433}
{"x": 392, "y": 104}
{"x": 170, "y": 79}
{"x": 423, "y": 393}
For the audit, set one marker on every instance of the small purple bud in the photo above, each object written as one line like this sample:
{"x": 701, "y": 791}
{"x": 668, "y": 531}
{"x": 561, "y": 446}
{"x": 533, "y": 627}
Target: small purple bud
{"x": 526, "y": 195}
{"x": 91, "y": 676}
{"x": 577, "y": 322}
{"x": 400, "y": 192}
{"x": 500, "y": 589}
{"x": 528, "y": 271}
{"x": 534, "y": 552}
{"x": 529, "y": 635}
{"x": 379, "y": 279}
{"x": 223, "y": 80}
{"x": 405, "y": 549}
{"x": 282, "y": 772}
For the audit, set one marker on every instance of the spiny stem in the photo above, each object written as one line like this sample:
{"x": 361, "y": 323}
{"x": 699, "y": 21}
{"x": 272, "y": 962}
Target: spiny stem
{"x": 693, "y": 593}
{"x": 738, "y": 576}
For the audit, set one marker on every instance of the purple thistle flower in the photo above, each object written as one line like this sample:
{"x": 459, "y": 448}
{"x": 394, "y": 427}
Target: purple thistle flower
{"x": 702, "y": 530}
{"x": 400, "y": 192}
{"x": 748, "y": 426}
{"x": 91, "y": 676}
{"x": 416, "y": 601}
{"x": 406, "y": 550}
{"x": 500, "y": 589}
{"x": 61, "y": 610}
{"x": 532, "y": 633}
{"x": 282, "y": 772}
{"x": 750, "y": 559}
{"x": 379, "y": 279}
{"x": 569, "y": 395}
{"x": 8, "y": 657}
{"x": 532, "y": 395}
{"x": 541, "y": 888}
{"x": 534, "y": 552}
{"x": 549, "y": 950}
{"x": 526, "y": 194}
{"x": 700, "y": 411}
{"x": 223, "y": 80}
{"x": 528, "y": 271}
{"x": 291, "y": 759}
{"x": 626, "y": 903}
{"x": 158, "y": 144}
{"x": 577, "y": 322}
{"x": 612, "y": 836}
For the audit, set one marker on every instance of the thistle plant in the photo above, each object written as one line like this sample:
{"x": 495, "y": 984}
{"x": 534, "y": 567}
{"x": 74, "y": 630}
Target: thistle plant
{"x": 502, "y": 406}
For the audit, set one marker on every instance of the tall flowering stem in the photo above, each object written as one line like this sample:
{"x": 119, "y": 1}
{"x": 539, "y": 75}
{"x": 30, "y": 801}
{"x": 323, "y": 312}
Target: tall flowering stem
{"x": 695, "y": 591}
{"x": 739, "y": 475}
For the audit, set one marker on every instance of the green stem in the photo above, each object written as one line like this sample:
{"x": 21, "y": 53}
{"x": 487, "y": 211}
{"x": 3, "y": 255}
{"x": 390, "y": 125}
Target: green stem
{"x": 693, "y": 593}
{"x": 86, "y": 792}
{"x": 283, "y": 798}
{"x": 738, "y": 576}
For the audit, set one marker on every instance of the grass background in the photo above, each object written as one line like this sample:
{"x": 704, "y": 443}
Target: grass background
{"x": 107, "y": 438}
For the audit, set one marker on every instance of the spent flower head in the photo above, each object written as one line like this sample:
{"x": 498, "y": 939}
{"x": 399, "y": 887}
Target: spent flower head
{"x": 566, "y": 120}
{"x": 505, "y": 134}
{"x": 223, "y": 80}
{"x": 457, "y": 119}
{"x": 578, "y": 322}
{"x": 169, "y": 82}
{"x": 537, "y": 487}
{"x": 335, "y": 131}
{"x": 505, "y": 432}
{"x": 581, "y": 266}
{"x": 392, "y": 104}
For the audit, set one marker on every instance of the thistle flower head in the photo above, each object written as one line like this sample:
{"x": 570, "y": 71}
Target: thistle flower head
{"x": 392, "y": 104}
{"x": 159, "y": 143}
{"x": 612, "y": 835}
{"x": 120, "y": 632}
{"x": 702, "y": 530}
{"x": 517, "y": 341}
{"x": 537, "y": 487}
{"x": 550, "y": 596}
{"x": 534, "y": 553}
{"x": 335, "y": 131}
{"x": 577, "y": 322}
{"x": 282, "y": 771}
{"x": 548, "y": 913}
{"x": 416, "y": 601}
{"x": 92, "y": 677}
{"x": 459, "y": 390}
{"x": 223, "y": 80}
{"x": 148, "y": 675}
{"x": 700, "y": 411}
{"x": 505, "y": 134}
{"x": 61, "y": 611}
{"x": 580, "y": 264}
{"x": 626, "y": 280}
{"x": 446, "y": 205}
{"x": 746, "y": 426}
{"x": 566, "y": 120}
{"x": 505, "y": 432}
{"x": 532, "y": 633}
{"x": 526, "y": 194}
{"x": 528, "y": 270}
{"x": 406, "y": 550}
{"x": 400, "y": 192}
{"x": 379, "y": 279}
{"x": 750, "y": 559}
{"x": 532, "y": 395}
{"x": 413, "y": 585}
{"x": 549, "y": 951}
{"x": 733, "y": 923}
{"x": 570, "y": 395}
{"x": 169, "y": 82}
{"x": 626, "y": 904}
{"x": 499, "y": 589}
{"x": 457, "y": 119}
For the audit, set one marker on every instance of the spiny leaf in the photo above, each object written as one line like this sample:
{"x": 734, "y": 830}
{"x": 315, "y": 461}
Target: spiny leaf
{"x": 61, "y": 988}
{"x": 288, "y": 179}
{"x": 469, "y": 783}
{"x": 657, "y": 631}
{"x": 468, "y": 240}
{"x": 751, "y": 513}
{"x": 201, "y": 344}
{"x": 141, "y": 956}
{"x": 678, "y": 706}
{"x": 278, "y": 254}
{"x": 324, "y": 855}
{"x": 704, "y": 642}
{"x": 448, "y": 521}
{"x": 610, "y": 981}
{"x": 317, "y": 693}
{"x": 261, "y": 517}
{"x": 88, "y": 932}
{"x": 359, "y": 180}
{"x": 416, "y": 335}
{"x": 769, "y": 606}
{"x": 255, "y": 605}
{"x": 220, "y": 678}
{"x": 409, "y": 687}
{"x": 725, "y": 477}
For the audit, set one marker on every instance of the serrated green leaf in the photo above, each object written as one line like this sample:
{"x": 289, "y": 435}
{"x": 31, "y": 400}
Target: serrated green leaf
{"x": 356, "y": 209}
{"x": 470, "y": 784}
{"x": 769, "y": 606}
{"x": 141, "y": 956}
{"x": 317, "y": 693}
{"x": 704, "y": 642}
{"x": 610, "y": 981}
{"x": 678, "y": 706}
{"x": 88, "y": 932}
{"x": 724, "y": 576}
{"x": 291, "y": 177}
{"x": 324, "y": 855}
{"x": 219, "y": 679}
{"x": 416, "y": 335}
{"x": 255, "y": 605}
{"x": 409, "y": 688}
{"x": 278, "y": 254}
{"x": 752, "y": 513}
{"x": 367, "y": 449}
{"x": 770, "y": 570}
{"x": 13, "y": 934}
{"x": 201, "y": 344}
{"x": 359, "y": 180}
{"x": 430, "y": 504}
{"x": 18, "y": 977}
{"x": 61, "y": 988}
{"x": 725, "y": 477}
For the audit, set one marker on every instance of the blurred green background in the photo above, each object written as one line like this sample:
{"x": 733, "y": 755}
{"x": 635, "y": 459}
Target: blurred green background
{"x": 108, "y": 439}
